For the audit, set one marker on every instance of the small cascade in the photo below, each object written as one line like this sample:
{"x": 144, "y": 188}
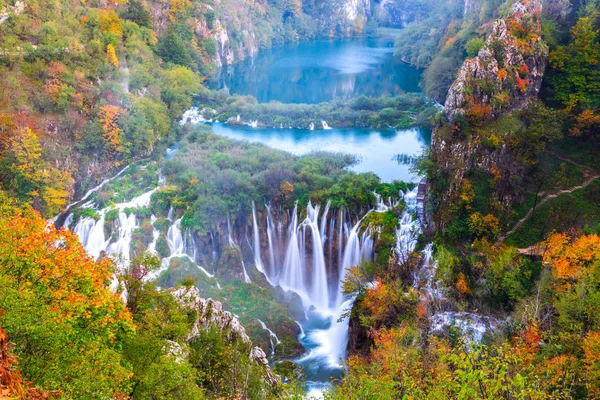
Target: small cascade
{"x": 311, "y": 127}
{"x": 409, "y": 230}
{"x": 272, "y": 337}
{"x": 324, "y": 221}
{"x": 273, "y": 241}
{"x": 254, "y": 124}
{"x": 381, "y": 206}
{"x": 175, "y": 239}
{"x": 155, "y": 236}
{"x": 325, "y": 125}
{"x": 126, "y": 224}
{"x": 292, "y": 276}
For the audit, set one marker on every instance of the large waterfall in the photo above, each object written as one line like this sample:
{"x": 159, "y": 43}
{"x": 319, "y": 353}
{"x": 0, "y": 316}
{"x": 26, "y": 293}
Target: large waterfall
{"x": 307, "y": 251}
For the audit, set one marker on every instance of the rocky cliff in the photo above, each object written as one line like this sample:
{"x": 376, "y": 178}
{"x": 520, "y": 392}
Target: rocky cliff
{"x": 209, "y": 313}
{"x": 484, "y": 139}
{"x": 227, "y": 31}
{"x": 507, "y": 72}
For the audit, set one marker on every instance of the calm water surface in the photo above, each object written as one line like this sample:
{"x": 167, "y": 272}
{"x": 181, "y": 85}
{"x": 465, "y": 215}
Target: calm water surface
{"x": 375, "y": 148}
{"x": 318, "y": 71}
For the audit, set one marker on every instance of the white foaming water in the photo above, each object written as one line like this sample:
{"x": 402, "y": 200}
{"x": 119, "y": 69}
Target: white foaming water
{"x": 272, "y": 336}
{"x": 325, "y": 125}
{"x": 91, "y": 234}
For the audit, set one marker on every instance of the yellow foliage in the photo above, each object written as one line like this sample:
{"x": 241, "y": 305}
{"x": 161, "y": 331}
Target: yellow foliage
{"x": 110, "y": 22}
{"x": 466, "y": 192}
{"x": 462, "y": 286}
{"x": 111, "y": 55}
{"x": 112, "y": 133}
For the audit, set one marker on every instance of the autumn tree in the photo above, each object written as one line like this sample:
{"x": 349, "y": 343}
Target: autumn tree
{"x": 56, "y": 306}
{"x": 112, "y": 132}
{"x": 26, "y": 175}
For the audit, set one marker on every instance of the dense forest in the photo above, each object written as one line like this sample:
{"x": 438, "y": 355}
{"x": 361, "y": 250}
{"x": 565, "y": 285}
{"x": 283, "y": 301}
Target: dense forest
{"x": 125, "y": 273}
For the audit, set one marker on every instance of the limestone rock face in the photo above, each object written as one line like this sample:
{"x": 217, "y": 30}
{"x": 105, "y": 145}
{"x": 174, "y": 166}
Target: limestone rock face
{"x": 209, "y": 313}
{"x": 505, "y": 76}
{"x": 508, "y": 70}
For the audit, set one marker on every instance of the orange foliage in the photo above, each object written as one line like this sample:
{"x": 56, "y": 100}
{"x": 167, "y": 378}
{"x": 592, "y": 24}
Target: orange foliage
{"x": 523, "y": 70}
{"x": 450, "y": 41}
{"x": 11, "y": 384}
{"x": 502, "y": 74}
{"x": 479, "y": 112}
{"x": 532, "y": 337}
{"x": 522, "y": 84}
{"x": 591, "y": 360}
{"x": 462, "y": 286}
{"x": 586, "y": 123}
{"x": 113, "y": 134}
{"x": 570, "y": 260}
{"x": 54, "y": 84}
{"x": 64, "y": 276}
{"x": 496, "y": 174}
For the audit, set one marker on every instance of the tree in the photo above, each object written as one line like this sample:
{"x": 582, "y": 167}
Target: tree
{"x": 145, "y": 124}
{"x": 137, "y": 13}
{"x": 112, "y": 132}
{"x": 27, "y": 176}
{"x": 473, "y": 46}
{"x": 178, "y": 84}
{"x": 577, "y": 76}
{"x": 66, "y": 324}
{"x": 172, "y": 49}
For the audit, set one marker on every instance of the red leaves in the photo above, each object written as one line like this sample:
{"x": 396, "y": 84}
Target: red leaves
{"x": 11, "y": 383}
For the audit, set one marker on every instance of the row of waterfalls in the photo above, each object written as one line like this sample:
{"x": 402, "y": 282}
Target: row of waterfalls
{"x": 305, "y": 251}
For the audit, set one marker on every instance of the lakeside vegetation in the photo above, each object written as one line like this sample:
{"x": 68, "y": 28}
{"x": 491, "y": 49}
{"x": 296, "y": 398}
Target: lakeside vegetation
{"x": 399, "y": 112}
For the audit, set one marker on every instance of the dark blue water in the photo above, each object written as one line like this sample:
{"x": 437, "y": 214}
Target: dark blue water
{"x": 323, "y": 70}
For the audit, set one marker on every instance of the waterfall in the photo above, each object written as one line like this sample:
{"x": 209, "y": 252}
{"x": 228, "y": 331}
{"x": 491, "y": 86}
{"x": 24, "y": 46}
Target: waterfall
{"x": 233, "y": 244}
{"x": 272, "y": 336}
{"x": 324, "y": 221}
{"x": 257, "y": 259}
{"x": 319, "y": 285}
{"x": 92, "y": 237}
{"x": 292, "y": 276}
{"x": 325, "y": 125}
{"x": 273, "y": 243}
{"x": 175, "y": 239}
{"x": 311, "y": 126}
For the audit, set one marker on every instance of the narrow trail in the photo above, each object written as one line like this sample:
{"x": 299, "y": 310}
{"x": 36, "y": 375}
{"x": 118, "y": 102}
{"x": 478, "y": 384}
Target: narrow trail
{"x": 591, "y": 177}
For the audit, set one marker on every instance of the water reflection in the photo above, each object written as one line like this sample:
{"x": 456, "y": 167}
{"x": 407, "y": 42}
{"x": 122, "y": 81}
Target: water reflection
{"x": 317, "y": 71}
{"x": 377, "y": 149}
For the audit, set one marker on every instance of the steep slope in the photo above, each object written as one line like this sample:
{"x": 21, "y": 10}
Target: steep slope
{"x": 495, "y": 132}
{"x": 508, "y": 70}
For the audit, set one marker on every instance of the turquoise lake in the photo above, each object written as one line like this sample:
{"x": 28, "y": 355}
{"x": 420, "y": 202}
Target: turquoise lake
{"x": 317, "y": 71}
{"x": 321, "y": 70}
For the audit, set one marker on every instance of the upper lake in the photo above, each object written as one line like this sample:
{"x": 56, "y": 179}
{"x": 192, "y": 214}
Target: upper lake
{"x": 321, "y": 70}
